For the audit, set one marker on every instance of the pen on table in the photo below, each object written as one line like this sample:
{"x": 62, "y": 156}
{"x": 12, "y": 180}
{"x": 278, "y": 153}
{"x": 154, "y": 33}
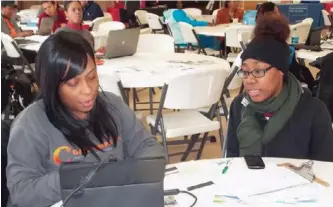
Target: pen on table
{"x": 226, "y": 167}
{"x": 175, "y": 172}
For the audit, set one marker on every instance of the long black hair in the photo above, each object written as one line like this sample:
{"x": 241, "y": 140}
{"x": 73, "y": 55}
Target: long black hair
{"x": 60, "y": 58}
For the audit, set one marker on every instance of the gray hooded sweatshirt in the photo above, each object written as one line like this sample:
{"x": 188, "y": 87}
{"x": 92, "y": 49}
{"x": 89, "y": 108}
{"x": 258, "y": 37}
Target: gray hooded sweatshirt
{"x": 36, "y": 149}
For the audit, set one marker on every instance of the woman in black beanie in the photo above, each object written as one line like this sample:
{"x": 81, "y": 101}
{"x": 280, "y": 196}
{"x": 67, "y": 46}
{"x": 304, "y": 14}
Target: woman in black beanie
{"x": 275, "y": 116}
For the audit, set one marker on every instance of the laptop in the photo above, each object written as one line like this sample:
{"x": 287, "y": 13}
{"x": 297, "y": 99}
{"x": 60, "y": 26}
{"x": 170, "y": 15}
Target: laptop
{"x": 122, "y": 43}
{"x": 21, "y": 41}
{"x": 46, "y": 26}
{"x": 314, "y": 37}
{"x": 126, "y": 183}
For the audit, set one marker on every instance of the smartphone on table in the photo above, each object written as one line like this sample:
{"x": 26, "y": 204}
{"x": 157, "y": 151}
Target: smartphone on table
{"x": 254, "y": 162}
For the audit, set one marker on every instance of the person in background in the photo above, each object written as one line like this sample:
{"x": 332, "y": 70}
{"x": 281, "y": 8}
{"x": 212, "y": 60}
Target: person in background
{"x": 8, "y": 23}
{"x": 173, "y": 16}
{"x": 230, "y": 12}
{"x": 300, "y": 71}
{"x": 325, "y": 90}
{"x": 73, "y": 11}
{"x": 275, "y": 116}
{"x": 267, "y": 7}
{"x": 51, "y": 10}
{"x": 71, "y": 121}
{"x": 91, "y": 10}
{"x": 15, "y": 16}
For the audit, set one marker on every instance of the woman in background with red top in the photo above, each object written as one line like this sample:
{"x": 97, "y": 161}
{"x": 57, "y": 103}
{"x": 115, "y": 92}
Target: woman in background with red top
{"x": 52, "y": 10}
{"x": 74, "y": 13}
{"x": 230, "y": 12}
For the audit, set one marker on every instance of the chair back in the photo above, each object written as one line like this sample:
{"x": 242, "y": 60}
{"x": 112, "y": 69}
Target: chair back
{"x": 8, "y": 44}
{"x": 110, "y": 83}
{"x": 244, "y": 38}
{"x": 154, "y": 21}
{"x": 146, "y": 31}
{"x": 232, "y": 36}
{"x": 98, "y": 21}
{"x": 234, "y": 81}
{"x": 107, "y": 14}
{"x": 326, "y": 15}
{"x": 106, "y": 27}
{"x": 156, "y": 43}
{"x": 141, "y": 16}
{"x": 187, "y": 33}
{"x": 193, "y": 12}
{"x": 301, "y": 30}
{"x": 101, "y": 35}
{"x": 215, "y": 14}
{"x": 195, "y": 89}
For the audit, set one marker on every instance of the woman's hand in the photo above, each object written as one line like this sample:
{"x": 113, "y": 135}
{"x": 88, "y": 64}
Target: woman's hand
{"x": 28, "y": 33}
{"x": 23, "y": 34}
{"x": 101, "y": 50}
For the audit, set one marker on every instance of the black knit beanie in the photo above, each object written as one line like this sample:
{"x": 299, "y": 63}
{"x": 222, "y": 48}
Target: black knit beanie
{"x": 270, "y": 51}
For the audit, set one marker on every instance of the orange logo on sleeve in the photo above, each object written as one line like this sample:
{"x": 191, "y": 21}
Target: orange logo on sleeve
{"x": 57, "y": 152}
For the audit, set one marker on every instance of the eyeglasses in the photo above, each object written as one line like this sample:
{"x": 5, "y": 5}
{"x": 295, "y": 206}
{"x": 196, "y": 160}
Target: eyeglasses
{"x": 257, "y": 73}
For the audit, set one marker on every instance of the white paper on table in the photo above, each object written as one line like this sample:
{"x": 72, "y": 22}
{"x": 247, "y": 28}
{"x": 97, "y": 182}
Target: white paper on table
{"x": 192, "y": 173}
{"x": 38, "y": 38}
{"x": 311, "y": 194}
{"x": 242, "y": 182}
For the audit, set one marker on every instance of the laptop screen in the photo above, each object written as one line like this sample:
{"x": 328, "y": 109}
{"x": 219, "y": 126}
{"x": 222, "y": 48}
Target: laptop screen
{"x": 123, "y": 183}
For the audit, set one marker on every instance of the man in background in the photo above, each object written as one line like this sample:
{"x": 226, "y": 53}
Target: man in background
{"x": 91, "y": 10}
{"x": 8, "y": 23}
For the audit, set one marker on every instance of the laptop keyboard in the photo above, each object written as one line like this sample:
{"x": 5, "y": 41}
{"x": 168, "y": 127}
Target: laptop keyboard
{"x": 25, "y": 41}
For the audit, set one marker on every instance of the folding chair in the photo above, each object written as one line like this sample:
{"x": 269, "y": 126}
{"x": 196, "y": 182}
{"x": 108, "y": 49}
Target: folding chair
{"x": 234, "y": 40}
{"x": 13, "y": 52}
{"x": 22, "y": 69}
{"x": 301, "y": 30}
{"x": 98, "y": 21}
{"x": 326, "y": 17}
{"x": 101, "y": 35}
{"x": 141, "y": 18}
{"x": 231, "y": 82}
{"x": 156, "y": 43}
{"x": 193, "y": 12}
{"x": 187, "y": 93}
{"x": 155, "y": 23}
{"x": 192, "y": 39}
{"x": 215, "y": 15}
{"x": 111, "y": 83}
{"x": 153, "y": 43}
{"x": 244, "y": 38}
{"x": 107, "y": 14}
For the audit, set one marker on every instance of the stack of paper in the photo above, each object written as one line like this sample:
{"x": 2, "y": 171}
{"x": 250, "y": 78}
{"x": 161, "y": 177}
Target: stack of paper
{"x": 245, "y": 183}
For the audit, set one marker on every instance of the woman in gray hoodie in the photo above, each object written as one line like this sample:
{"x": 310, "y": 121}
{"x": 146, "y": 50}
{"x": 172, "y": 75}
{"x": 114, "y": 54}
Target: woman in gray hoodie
{"x": 71, "y": 121}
